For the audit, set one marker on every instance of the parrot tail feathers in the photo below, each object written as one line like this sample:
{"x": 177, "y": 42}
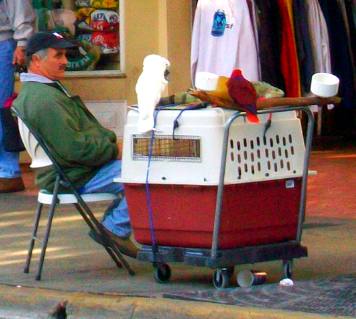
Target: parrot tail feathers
{"x": 250, "y": 108}
{"x": 252, "y": 118}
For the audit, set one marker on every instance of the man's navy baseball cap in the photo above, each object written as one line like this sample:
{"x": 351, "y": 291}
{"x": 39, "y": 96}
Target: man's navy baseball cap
{"x": 44, "y": 40}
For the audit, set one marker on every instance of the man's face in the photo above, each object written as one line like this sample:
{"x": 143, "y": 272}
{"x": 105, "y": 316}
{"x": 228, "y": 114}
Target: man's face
{"x": 53, "y": 66}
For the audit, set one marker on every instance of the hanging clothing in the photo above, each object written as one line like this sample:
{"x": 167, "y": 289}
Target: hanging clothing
{"x": 289, "y": 58}
{"x": 303, "y": 41}
{"x": 341, "y": 120}
{"x": 319, "y": 37}
{"x": 223, "y": 39}
{"x": 319, "y": 41}
{"x": 253, "y": 17}
{"x": 269, "y": 42}
{"x": 341, "y": 63}
{"x": 346, "y": 8}
{"x": 350, "y": 11}
{"x": 342, "y": 7}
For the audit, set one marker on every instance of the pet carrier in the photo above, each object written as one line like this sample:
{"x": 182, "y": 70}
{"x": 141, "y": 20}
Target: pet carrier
{"x": 210, "y": 189}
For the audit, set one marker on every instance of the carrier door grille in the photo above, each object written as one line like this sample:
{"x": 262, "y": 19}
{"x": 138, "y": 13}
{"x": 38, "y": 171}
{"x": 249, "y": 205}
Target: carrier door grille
{"x": 270, "y": 157}
{"x": 181, "y": 148}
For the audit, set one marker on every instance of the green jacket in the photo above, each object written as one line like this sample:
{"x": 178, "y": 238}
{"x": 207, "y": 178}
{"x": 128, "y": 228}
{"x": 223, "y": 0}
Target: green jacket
{"x": 79, "y": 143}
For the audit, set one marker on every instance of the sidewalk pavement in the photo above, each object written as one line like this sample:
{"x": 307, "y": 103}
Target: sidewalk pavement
{"x": 78, "y": 270}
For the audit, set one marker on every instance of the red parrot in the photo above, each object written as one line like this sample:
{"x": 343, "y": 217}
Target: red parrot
{"x": 244, "y": 94}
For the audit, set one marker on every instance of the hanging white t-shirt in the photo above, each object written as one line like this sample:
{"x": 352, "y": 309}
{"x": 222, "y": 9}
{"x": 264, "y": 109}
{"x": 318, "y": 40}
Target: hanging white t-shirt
{"x": 223, "y": 39}
{"x": 319, "y": 37}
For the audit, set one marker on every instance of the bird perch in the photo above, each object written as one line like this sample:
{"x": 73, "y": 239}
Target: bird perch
{"x": 266, "y": 103}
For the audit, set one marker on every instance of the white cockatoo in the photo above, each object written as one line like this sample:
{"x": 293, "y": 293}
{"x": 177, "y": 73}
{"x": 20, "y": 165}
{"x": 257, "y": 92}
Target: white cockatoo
{"x": 149, "y": 87}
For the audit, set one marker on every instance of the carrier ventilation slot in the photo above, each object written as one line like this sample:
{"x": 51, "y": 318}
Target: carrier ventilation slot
{"x": 270, "y": 157}
{"x": 181, "y": 148}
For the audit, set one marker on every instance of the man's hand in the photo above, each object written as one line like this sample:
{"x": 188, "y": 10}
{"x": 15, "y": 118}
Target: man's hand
{"x": 19, "y": 56}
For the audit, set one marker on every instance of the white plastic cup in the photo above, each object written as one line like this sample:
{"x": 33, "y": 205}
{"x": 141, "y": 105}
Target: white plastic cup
{"x": 248, "y": 278}
{"x": 324, "y": 84}
{"x": 206, "y": 81}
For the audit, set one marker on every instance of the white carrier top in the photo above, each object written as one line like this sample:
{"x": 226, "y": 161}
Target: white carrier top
{"x": 191, "y": 153}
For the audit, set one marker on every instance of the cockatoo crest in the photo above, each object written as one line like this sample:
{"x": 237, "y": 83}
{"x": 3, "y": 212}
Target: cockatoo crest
{"x": 150, "y": 84}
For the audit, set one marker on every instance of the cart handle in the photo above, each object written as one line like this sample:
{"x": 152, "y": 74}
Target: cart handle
{"x": 219, "y": 196}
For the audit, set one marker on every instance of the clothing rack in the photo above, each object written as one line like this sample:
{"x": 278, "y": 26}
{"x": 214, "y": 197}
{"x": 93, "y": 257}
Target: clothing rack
{"x": 287, "y": 48}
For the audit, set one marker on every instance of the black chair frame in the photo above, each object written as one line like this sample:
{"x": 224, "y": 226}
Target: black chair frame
{"x": 81, "y": 206}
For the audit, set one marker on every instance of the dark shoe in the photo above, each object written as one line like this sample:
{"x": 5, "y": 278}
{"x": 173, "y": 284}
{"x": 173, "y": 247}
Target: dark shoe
{"x": 125, "y": 245}
{"x": 10, "y": 185}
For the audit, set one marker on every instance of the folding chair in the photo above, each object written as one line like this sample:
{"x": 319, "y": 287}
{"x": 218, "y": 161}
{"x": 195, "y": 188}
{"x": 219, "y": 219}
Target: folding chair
{"x": 41, "y": 156}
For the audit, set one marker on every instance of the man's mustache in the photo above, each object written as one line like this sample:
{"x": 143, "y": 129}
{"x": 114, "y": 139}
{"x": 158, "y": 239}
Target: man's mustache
{"x": 62, "y": 67}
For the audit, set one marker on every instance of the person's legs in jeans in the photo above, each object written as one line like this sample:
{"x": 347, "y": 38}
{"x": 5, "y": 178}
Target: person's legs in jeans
{"x": 9, "y": 161}
{"x": 116, "y": 218}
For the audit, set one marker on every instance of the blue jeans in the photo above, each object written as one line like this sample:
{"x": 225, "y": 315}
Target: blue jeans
{"x": 116, "y": 218}
{"x": 9, "y": 162}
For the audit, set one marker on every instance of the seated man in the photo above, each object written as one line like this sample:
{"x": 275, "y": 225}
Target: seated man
{"x": 86, "y": 150}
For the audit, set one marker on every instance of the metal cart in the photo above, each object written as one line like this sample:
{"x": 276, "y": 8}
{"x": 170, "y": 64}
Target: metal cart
{"x": 224, "y": 258}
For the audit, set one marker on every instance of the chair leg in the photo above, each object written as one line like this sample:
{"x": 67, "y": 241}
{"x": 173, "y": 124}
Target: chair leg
{"x": 33, "y": 238}
{"x": 109, "y": 246}
{"x": 117, "y": 256}
{"x": 48, "y": 228}
{"x": 45, "y": 240}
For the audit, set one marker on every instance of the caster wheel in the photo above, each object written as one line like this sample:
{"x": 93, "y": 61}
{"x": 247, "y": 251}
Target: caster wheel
{"x": 287, "y": 268}
{"x": 230, "y": 270}
{"x": 221, "y": 278}
{"x": 162, "y": 273}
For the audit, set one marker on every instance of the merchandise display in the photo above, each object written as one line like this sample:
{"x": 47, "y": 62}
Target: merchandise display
{"x": 85, "y": 58}
{"x": 283, "y": 43}
{"x": 104, "y": 21}
{"x": 83, "y": 20}
{"x": 82, "y": 3}
{"x": 95, "y": 24}
{"x": 107, "y": 41}
{"x": 104, "y": 4}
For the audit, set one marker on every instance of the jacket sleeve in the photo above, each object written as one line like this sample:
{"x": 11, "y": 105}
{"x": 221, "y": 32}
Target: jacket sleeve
{"x": 22, "y": 19}
{"x": 73, "y": 146}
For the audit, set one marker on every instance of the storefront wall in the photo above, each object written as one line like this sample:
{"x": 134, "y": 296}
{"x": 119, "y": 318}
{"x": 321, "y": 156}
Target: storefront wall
{"x": 151, "y": 26}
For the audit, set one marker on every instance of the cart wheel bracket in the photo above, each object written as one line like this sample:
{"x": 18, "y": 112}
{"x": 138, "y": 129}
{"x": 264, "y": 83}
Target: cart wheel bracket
{"x": 287, "y": 268}
{"x": 162, "y": 272}
{"x": 222, "y": 276}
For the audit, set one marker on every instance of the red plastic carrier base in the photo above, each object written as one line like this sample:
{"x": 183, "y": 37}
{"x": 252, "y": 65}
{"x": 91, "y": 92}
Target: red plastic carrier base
{"x": 183, "y": 216}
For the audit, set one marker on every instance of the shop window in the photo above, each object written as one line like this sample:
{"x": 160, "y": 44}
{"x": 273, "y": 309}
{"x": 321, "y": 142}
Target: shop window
{"x": 95, "y": 24}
